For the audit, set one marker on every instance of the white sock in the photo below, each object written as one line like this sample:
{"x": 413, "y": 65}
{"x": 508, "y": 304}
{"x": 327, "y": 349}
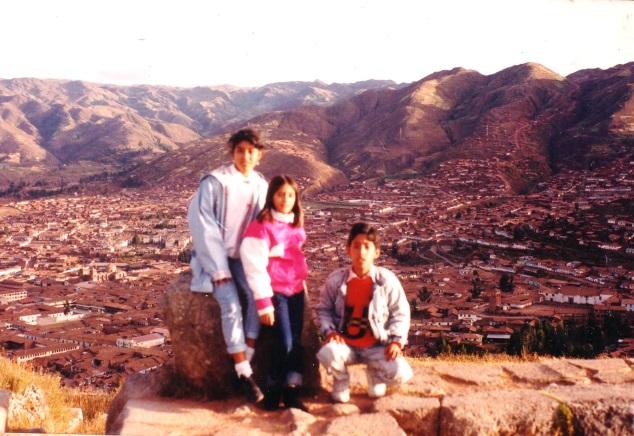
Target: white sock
{"x": 244, "y": 369}
{"x": 250, "y": 351}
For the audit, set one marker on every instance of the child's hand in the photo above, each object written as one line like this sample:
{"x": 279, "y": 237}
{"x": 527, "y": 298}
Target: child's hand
{"x": 392, "y": 351}
{"x": 267, "y": 318}
{"x": 335, "y": 337}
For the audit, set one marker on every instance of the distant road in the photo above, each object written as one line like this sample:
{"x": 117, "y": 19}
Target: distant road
{"x": 437, "y": 254}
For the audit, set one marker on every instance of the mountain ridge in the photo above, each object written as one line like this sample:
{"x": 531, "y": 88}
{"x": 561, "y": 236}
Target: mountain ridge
{"x": 526, "y": 120}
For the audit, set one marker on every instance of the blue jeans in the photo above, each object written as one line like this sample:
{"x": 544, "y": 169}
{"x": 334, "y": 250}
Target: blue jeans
{"x": 287, "y": 359}
{"x": 228, "y": 297}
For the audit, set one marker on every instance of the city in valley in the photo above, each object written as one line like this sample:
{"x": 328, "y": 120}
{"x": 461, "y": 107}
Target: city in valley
{"x": 82, "y": 275}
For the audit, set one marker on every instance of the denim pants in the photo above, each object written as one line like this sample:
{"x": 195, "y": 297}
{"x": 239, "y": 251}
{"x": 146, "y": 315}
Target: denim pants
{"x": 287, "y": 359}
{"x": 228, "y": 297}
{"x": 336, "y": 357}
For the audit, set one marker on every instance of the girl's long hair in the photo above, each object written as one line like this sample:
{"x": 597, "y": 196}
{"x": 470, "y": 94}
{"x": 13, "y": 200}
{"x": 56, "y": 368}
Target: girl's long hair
{"x": 276, "y": 183}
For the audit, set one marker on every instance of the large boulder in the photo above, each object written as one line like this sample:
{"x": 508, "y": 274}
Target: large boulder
{"x": 137, "y": 386}
{"x": 201, "y": 362}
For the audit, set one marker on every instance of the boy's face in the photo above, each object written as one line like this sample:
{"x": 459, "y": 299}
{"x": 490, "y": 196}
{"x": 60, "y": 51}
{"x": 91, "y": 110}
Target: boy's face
{"x": 245, "y": 157}
{"x": 363, "y": 253}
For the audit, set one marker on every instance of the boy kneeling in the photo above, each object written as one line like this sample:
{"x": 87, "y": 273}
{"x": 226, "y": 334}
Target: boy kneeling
{"x": 364, "y": 315}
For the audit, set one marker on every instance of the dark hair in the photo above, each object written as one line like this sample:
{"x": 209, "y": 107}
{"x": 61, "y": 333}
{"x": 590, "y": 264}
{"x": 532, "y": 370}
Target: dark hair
{"x": 274, "y": 185}
{"x": 364, "y": 229}
{"x": 248, "y": 135}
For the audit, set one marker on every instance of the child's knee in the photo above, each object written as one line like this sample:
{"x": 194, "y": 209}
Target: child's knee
{"x": 332, "y": 355}
{"x": 395, "y": 371}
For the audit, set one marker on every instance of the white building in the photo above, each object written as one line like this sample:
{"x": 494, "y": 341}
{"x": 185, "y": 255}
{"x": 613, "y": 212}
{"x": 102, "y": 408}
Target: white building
{"x": 578, "y": 296}
{"x": 145, "y": 341}
{"x": 8, "y": 297}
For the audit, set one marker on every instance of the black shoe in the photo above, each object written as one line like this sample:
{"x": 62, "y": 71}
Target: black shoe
{"x": 291, "y": 399}
{"x": 272, "y": 397}
{"x": 251, "y": 389}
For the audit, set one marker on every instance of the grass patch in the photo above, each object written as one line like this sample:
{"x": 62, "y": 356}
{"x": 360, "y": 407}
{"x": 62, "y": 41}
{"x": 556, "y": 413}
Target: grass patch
{"x": 21, "y": 379}
{"x": 477, "y": 358}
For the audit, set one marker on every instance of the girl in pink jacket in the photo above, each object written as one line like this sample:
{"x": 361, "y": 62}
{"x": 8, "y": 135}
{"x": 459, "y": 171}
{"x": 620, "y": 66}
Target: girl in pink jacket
{"x": 275, "y": 268}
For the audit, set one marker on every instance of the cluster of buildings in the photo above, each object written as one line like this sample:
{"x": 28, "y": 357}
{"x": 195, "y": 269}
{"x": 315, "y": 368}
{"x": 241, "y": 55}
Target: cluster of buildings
{"x": 81, "y": 277}
{"x": 568, "y": 248}
{"x": 82, "y": 282}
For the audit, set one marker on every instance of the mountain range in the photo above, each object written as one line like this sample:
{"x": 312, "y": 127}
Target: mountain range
{"x": 526, "y": 120}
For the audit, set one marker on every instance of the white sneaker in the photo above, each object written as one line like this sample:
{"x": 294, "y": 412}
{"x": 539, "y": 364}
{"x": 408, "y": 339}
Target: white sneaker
{"x": 377, "y": 390}
{"x": 341, "y": 391}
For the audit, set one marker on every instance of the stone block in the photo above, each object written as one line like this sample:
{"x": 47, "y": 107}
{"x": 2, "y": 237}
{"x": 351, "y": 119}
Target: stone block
{"x": 345, "y": 409}
{"x": 570, "y": 373}
{"x": 426, "y": 382}
{"x": 599, "y": 410}
{"x": 299, "y": 421}
{"x": 201, "y": 363}
{"x": 161, "y": 416}
{"x": 366, "y": 424}
{"x": 503, "y": 412}
{"x": 533, "y": 373}
{"x": 473, "y": 374}
{"x": 136, "y": 386}
{"x": 415, "y": 415}
{"x": 602, "y": 365}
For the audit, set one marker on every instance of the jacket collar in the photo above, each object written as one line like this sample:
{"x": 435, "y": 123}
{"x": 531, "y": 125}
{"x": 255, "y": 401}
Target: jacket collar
{"x": 373, "y": 274}
{"x": 233, "y": 172}
{"x": 287, "y": 218}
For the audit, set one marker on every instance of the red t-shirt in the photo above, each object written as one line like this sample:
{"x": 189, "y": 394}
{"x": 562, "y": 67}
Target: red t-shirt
{"x": 356, "y": 327}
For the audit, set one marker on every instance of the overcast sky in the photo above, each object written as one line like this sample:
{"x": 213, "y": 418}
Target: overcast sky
{"x": 251, "y": 43}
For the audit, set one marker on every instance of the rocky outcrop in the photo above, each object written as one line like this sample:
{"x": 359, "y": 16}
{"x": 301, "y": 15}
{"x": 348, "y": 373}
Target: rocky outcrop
{"x": 201, "y": 363}
{"x": 544, "y": 397}
{"x": 550, "y": 396}
{"x": 29, "y": 408}
{"x": 5, "y": 396}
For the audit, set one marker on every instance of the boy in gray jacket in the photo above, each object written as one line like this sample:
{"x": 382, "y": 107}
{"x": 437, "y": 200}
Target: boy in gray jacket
{"x": 226, "y": 201}
{"x": 364, "y": 316}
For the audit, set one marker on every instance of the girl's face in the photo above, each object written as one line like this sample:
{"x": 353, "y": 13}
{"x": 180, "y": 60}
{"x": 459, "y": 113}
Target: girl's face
{"x": 284, "y": 199}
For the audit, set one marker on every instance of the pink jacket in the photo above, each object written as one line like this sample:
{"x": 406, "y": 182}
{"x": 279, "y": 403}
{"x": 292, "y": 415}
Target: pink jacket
{"x": 273, "y": 259}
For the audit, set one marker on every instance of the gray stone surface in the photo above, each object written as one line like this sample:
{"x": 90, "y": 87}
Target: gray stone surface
{"x": 157, "y": 417}
{"x": 299, "y": 420}
{"x": 426, "y": 382}
{"x": 600, "y": 410}
{"x": 345, "y": 409}
{"x": 5, "y": 397}
{"x": 382, "y": 424}
{"x": 614, "y": 377}
{"x": 415, "y": 415}
{"x": 569, "y": 372}
{"x": 136, "y": 386}
{"x": 532, "y": 373}
{"x": 201, "y": 363}
{"x": 497, "y": 412}
{"x": 76, "y": 421}
{"x": 30, "y": 408}
{"x": 474, "y": 374}
{"x": 602, "y": 365}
